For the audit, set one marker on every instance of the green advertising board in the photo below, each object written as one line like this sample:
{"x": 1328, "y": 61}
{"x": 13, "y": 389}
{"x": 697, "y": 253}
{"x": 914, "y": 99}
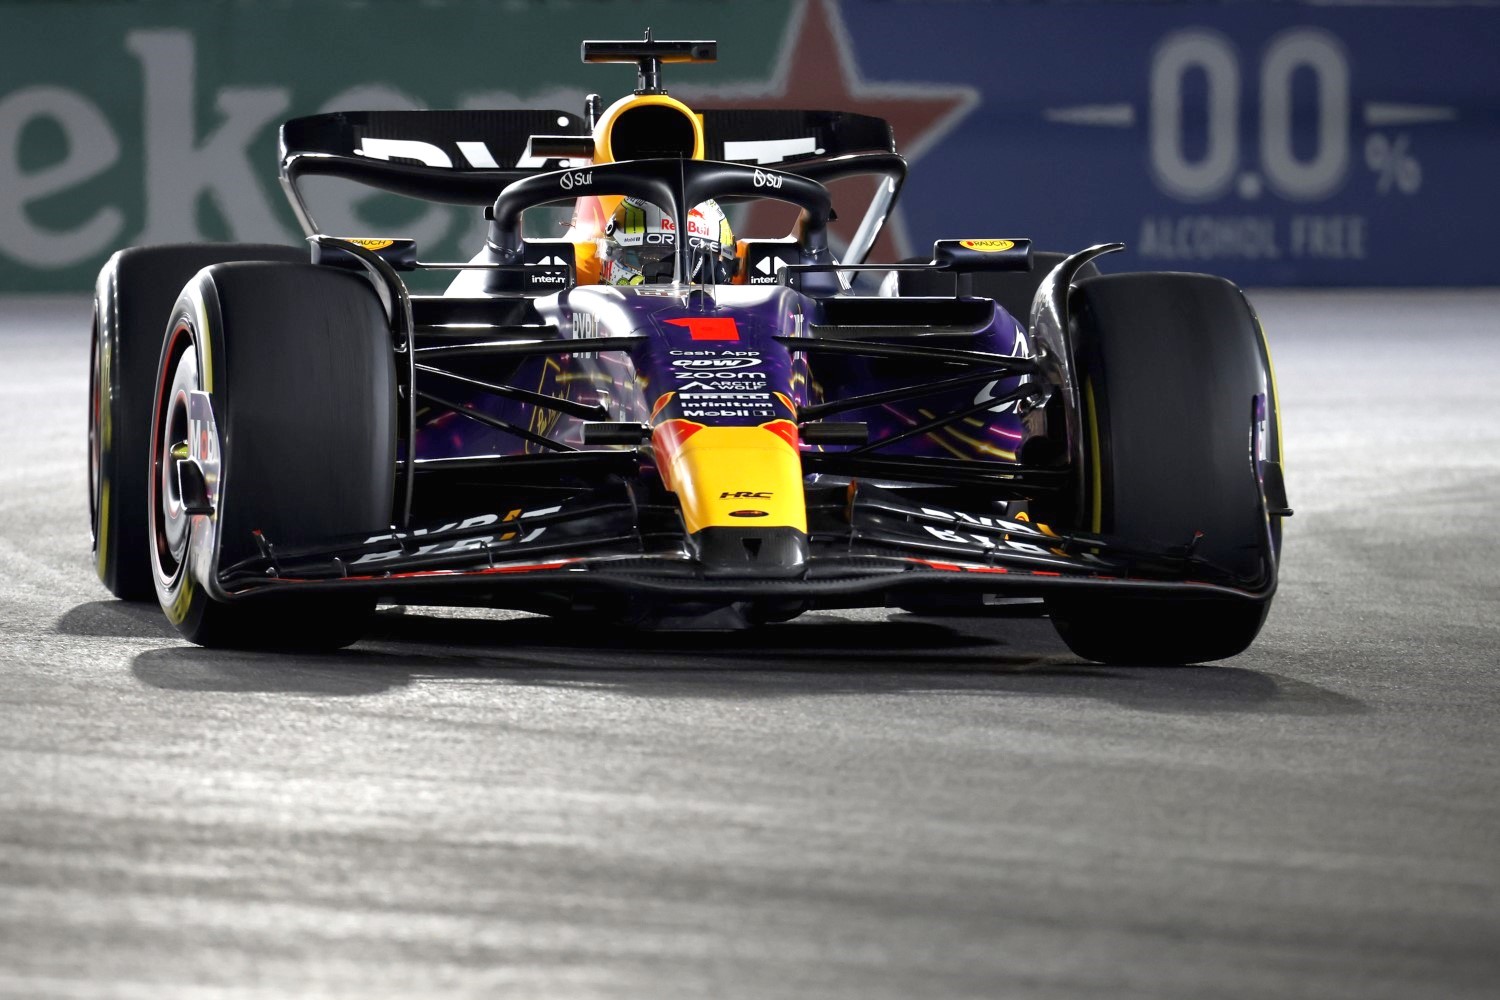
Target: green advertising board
{"x": 153, "y": 122}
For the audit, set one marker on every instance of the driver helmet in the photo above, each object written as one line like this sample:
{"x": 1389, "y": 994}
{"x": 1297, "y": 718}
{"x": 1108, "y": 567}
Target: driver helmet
{"x": 639, "y": 240}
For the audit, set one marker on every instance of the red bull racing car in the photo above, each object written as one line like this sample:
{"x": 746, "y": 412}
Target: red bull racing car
{"x": 648, "y": 421}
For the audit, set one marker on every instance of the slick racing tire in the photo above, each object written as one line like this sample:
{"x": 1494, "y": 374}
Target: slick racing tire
{"x": 279, "y": 381}
{"x": 132, "y": 303}
{"x": 1175, "y": 383}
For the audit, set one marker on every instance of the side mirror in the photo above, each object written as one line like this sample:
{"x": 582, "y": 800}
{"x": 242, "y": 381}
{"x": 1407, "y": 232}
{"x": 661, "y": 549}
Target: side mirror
{"x": 982, "y": 255}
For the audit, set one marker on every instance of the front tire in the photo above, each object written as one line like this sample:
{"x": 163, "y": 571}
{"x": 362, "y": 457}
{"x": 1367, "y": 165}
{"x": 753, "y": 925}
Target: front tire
{"x": 296, "y": 363}
{"x": 133, "y": 300}
{"x": 1179, "y": 418}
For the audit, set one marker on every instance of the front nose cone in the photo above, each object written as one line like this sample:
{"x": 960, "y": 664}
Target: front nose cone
{"x": 733, "y": 477}
{"x": 772, "y": 553}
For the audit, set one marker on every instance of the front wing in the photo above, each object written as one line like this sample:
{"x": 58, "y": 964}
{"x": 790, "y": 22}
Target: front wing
{"x": 862, "y": 540}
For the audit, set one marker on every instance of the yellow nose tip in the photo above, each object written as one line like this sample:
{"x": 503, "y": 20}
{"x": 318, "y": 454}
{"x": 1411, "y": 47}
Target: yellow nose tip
{"x": 732, "y": 476}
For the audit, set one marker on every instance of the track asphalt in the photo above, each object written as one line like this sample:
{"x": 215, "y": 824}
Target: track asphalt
{"x": 870, "y": 805}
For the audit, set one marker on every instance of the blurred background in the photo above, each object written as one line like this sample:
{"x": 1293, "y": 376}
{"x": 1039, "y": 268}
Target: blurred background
{"x": 1274, "y": 143}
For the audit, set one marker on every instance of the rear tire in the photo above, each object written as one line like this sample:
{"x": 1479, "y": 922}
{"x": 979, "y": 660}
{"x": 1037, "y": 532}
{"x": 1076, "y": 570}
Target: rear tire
{"x": 132, "y": 302}
{"x": 298, "y": 366}
{"x": 1170, "y": 368}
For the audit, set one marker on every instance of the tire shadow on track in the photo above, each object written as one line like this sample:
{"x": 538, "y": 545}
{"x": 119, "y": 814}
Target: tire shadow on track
{"x": 115, "y": 620}
{"x": 990, "y": 656}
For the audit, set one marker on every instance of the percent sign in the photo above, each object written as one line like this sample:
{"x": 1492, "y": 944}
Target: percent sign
{"x": 1393, "y": 164}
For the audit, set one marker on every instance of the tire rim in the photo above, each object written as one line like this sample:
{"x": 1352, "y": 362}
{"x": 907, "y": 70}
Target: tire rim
{"x": 171, "y": 525}
{"x": 96, "y": 434}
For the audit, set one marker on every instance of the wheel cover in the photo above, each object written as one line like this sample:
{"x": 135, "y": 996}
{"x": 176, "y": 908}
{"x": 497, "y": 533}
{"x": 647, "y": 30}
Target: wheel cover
{"x": 96, "y": 435}
{"x": 171, "y": 525}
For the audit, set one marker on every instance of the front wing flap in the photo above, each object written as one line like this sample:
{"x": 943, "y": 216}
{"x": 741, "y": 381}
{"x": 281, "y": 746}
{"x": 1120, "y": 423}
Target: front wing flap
{"x": 862, "y": 539}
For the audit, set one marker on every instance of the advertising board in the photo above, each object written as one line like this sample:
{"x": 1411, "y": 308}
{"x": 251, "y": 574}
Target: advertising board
{"x": 1277, "y": 144}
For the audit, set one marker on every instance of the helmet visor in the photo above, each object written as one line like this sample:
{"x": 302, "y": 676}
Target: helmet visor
{"x": 652, "y": 263}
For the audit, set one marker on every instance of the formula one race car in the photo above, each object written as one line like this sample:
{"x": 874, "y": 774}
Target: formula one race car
{"x": 651, "y": 423}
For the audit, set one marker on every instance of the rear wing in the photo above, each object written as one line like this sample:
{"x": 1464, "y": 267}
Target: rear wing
{"x": 820, "y": 145}
{"x": 456, "y": 157}
{"x": 785, "y": 138}
{"x": 469, "y": 157}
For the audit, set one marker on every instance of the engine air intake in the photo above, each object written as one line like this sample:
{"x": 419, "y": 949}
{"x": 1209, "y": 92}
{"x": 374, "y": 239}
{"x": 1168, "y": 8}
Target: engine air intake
{"x": 647, "y": 131}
